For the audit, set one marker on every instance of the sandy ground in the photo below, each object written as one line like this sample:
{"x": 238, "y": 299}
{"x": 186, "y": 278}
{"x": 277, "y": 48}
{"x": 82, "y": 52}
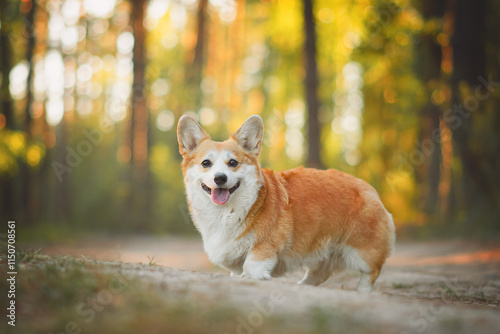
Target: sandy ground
{"x": 425, "y": 287}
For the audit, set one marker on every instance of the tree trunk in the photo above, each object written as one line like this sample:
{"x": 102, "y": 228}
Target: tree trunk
{"x": 139, "y": 115}
{"x": 27, "y": 175}
{"x": 199, "y": 49}
{"x": 468, "y": 65}
{"x": 431, "y": 56}
{"x": 62, "y": 198}
{"x": 196, "y": 71}
{"x": 140, "y": 195}
{"x": 8, "y": 202}
{"x": 311, "y": 87}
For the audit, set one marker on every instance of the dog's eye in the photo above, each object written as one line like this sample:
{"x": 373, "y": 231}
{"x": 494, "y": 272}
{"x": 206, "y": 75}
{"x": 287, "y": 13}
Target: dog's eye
{"x": 232, "y": 163}
{"x": 206, "y": 163}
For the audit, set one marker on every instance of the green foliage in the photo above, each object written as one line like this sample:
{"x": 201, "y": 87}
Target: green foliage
{"x": 252, "y": 63}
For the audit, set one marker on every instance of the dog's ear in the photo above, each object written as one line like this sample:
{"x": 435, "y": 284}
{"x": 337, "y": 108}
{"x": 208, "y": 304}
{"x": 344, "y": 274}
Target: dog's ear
{"x": 189, "y": 134}
{"x": 249, "y": 135}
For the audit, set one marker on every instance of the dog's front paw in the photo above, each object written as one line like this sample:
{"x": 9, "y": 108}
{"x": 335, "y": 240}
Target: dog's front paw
{"x": 243, "y": 275}
{"x": 263, "y": 276}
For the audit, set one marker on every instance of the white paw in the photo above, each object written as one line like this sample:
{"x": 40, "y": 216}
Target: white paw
{"x": 265, "y": 276}
{"x": 258, "y": 269}
{"x": 262, "y": 275}
{"x": 364, "y": 289}
{"x": 243, "y": 275}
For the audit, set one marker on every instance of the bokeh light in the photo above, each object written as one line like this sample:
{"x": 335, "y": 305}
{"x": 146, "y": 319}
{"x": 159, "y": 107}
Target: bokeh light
{"x": 165, "y": 120}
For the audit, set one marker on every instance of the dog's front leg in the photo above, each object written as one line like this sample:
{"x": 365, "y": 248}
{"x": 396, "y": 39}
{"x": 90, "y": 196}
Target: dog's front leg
{"x": 259, "y": 264}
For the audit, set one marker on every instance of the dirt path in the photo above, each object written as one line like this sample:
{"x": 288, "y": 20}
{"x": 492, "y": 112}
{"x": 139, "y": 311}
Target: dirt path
{"x": 431, "y": 287}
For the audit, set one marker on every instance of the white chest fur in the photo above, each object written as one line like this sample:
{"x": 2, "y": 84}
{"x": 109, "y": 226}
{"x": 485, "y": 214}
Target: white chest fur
{"x": 221, "y": 229}
{"x": 222, "y": 225}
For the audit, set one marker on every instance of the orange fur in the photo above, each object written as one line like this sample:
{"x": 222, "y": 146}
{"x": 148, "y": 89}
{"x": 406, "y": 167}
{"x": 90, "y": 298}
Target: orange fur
{"x": 312, "y": 205}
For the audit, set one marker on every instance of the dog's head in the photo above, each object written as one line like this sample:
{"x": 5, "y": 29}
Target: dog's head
{"x": 220, "y": 170}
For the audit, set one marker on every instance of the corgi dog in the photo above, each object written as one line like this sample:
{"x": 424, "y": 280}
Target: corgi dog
{"x": 258, "y": 223}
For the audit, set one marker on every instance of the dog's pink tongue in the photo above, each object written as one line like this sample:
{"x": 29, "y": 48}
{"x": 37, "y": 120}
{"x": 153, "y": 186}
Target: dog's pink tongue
{"x": 220, "y": 195}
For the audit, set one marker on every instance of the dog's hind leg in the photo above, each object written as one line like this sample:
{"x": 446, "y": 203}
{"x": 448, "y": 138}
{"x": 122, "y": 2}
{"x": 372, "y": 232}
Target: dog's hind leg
{"x": 369, "y": 265}
{"x": 367, "y": 280}
{"x": 315, "y": 276}
{"x": 323, "y": 271}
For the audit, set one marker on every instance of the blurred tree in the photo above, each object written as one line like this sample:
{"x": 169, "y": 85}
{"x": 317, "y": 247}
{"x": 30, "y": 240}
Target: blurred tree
{"x": 8, "y": 122}
{"x": 468, "y": 44}
{"x": 200, "y": 36}
{"x": 196, "y": 70}
{"x": 139, "y": 111}
{"x": 140, "y": 136}
{"x": 311, "y": 87}
{"x": 28, "y": 200}
{"x": 63, "y": 190}
{"x": 429, "y": 71}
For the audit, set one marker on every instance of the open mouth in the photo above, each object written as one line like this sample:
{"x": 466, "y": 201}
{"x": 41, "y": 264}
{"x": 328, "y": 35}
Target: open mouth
{"x": 220, "y": 195}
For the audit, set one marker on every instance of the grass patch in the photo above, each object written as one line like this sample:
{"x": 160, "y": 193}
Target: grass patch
{"x": 152, "y": 261}
{"x": 449, "y": 290}
{"x": 401, "y": 286}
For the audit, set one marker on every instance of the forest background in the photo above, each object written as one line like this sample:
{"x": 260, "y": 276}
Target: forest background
{"x": 403, "y": 94}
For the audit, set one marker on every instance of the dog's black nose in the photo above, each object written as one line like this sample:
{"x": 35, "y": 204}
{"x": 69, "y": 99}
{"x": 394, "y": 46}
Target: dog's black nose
{"x": 220, "y": 179}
